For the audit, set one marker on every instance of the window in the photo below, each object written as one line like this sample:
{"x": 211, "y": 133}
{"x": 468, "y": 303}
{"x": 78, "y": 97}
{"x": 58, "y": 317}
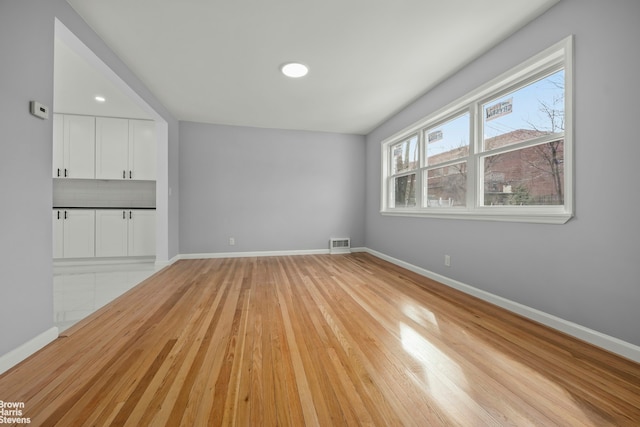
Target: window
{"x": 445, "y": 172}
{"x": 404, "y": 165}
{"x": 502, "y": 152}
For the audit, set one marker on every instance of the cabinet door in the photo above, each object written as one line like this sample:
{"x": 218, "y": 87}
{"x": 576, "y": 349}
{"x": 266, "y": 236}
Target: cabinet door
{"x": 142, "y": 149}
{"x": 58, "y": 146}
{"x": 142, "y": 233}
{"x": 112, "y": 148}
{"x": 58, "y": 237}
{"x": 79, "y": 146}
{"x": 79, "y": 233}
{"x": 111, "y": 233}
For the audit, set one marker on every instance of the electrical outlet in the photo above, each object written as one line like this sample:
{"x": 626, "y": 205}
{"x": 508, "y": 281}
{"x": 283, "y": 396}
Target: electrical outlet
{"x": 232, "y": 241}
{"x": 447, "y": 260}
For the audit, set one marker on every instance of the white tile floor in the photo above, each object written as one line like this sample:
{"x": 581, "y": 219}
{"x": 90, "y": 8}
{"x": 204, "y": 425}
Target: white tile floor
{"x": 80, "y": 290}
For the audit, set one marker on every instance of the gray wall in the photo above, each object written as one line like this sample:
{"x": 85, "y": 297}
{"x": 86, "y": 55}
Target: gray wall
{"x": 588, "y": 270}
{"x": 26, "y": 292}
{"x": 26, "y": 73}
{"x": 270, "y": 189}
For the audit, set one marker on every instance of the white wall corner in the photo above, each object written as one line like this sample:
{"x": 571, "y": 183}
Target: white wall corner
{"x": 159, "y": 265}
{"x": 17, "y": 355}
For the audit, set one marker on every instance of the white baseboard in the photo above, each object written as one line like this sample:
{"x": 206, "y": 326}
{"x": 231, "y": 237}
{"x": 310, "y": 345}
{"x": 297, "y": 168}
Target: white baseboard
{"x": 82, "y": 262}
{"x": 253, "y": 254}
{"x": 159, "y": 265}
{"x": 609, "y": 343}
{"x": 17, "y": 355}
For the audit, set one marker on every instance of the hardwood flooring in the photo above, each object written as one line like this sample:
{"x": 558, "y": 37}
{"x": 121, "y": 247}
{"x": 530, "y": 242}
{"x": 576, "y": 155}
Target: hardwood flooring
{"x": 324, "y": 340}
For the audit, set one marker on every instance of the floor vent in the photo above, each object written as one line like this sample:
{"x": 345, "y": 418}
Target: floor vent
{"x": 339, "y": 246}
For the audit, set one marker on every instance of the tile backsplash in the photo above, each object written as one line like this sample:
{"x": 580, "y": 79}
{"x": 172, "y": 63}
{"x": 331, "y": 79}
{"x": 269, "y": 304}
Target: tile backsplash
{"x": 103, "y": 193}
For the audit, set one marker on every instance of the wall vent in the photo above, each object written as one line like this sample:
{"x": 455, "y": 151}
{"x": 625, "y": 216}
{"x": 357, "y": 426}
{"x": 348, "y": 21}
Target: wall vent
{"x": 339, "y": 246}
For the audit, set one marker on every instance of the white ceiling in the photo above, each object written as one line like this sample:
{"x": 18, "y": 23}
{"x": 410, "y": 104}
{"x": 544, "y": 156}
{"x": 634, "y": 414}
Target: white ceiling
{"x": 217, "y": 61}
{"x": 77, "y": 83}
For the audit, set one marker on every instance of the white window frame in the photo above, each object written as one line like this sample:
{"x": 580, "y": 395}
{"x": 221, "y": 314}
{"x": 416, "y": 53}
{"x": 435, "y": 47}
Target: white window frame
{"x": 406, "y": 172}
{"x": 558, "y": 56}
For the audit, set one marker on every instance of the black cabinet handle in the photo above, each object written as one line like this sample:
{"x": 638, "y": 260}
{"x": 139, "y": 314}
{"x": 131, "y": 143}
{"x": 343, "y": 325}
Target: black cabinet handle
{"x": 130, "y": 177}
{"x": 123, "y": 215}
{"x": 58, "y": 211}
{"x": 130, "y": 215}
{"x": 58, "y": 172}
{"x": 66, "y": 172}
{"x": 124, "y": 174}
{"x": 65, "y": 214}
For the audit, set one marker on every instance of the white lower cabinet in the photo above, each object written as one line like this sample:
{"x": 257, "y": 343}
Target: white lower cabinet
{"x": 73, "y": 233}
{"x": 111, "y": 233}
{"x": 88, "y": 233}
{"x": 142, "y": 232}
{"x": 126, "y": 232}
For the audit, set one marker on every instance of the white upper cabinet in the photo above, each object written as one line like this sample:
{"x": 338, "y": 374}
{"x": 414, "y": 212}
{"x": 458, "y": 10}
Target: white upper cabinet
{"x": 74, "y": 146}
{"x": 125, "y": 149}
{"x": 112, "y": 148}
{"x": 58, "y": 145}
{"x": 142, "y": 149}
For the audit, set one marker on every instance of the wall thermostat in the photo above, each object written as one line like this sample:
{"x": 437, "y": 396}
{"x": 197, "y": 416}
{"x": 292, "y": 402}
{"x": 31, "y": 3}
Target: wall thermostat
{"x": 39, "y": 110}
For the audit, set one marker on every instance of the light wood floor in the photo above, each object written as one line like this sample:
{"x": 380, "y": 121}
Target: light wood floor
{"x": 315, "y": 340}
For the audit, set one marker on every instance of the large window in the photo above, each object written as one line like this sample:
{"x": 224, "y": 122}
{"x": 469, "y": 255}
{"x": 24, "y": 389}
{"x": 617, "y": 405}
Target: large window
{"x": 502, "y": 152}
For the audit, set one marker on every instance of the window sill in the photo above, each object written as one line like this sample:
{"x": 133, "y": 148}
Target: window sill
{"x": 530, "y": 215}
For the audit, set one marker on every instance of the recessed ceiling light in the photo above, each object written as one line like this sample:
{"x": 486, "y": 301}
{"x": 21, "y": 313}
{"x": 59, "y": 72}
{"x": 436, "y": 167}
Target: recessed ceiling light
{"x": 294, "y": 70}
{"x": 100, "y": 98}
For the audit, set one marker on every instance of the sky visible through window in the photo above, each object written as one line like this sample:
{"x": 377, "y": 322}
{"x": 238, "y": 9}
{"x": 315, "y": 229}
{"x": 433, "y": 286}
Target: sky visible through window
{"x": 447, "y": 137}
{"x": 529, "y": 107}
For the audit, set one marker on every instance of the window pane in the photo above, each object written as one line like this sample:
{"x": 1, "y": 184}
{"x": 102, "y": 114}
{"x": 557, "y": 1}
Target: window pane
{"x": 448, "y": 141}
{"x": 530, "y": 176}
{"x": 529, "y": 112}
{"x": 404, "y": 191}
{"x": 447, "y": 186}
{"x": 405, "y": 155}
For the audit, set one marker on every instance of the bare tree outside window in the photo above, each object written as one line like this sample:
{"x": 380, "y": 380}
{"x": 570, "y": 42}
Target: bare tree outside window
{"x": 533, "y": 175}
{"x": 553, "y": 153}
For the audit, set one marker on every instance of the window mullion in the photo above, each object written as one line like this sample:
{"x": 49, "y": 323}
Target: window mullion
{"x": 473, "y": 169}
{"x": 419, "y": 171}
{"x": 526, "y": 143}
